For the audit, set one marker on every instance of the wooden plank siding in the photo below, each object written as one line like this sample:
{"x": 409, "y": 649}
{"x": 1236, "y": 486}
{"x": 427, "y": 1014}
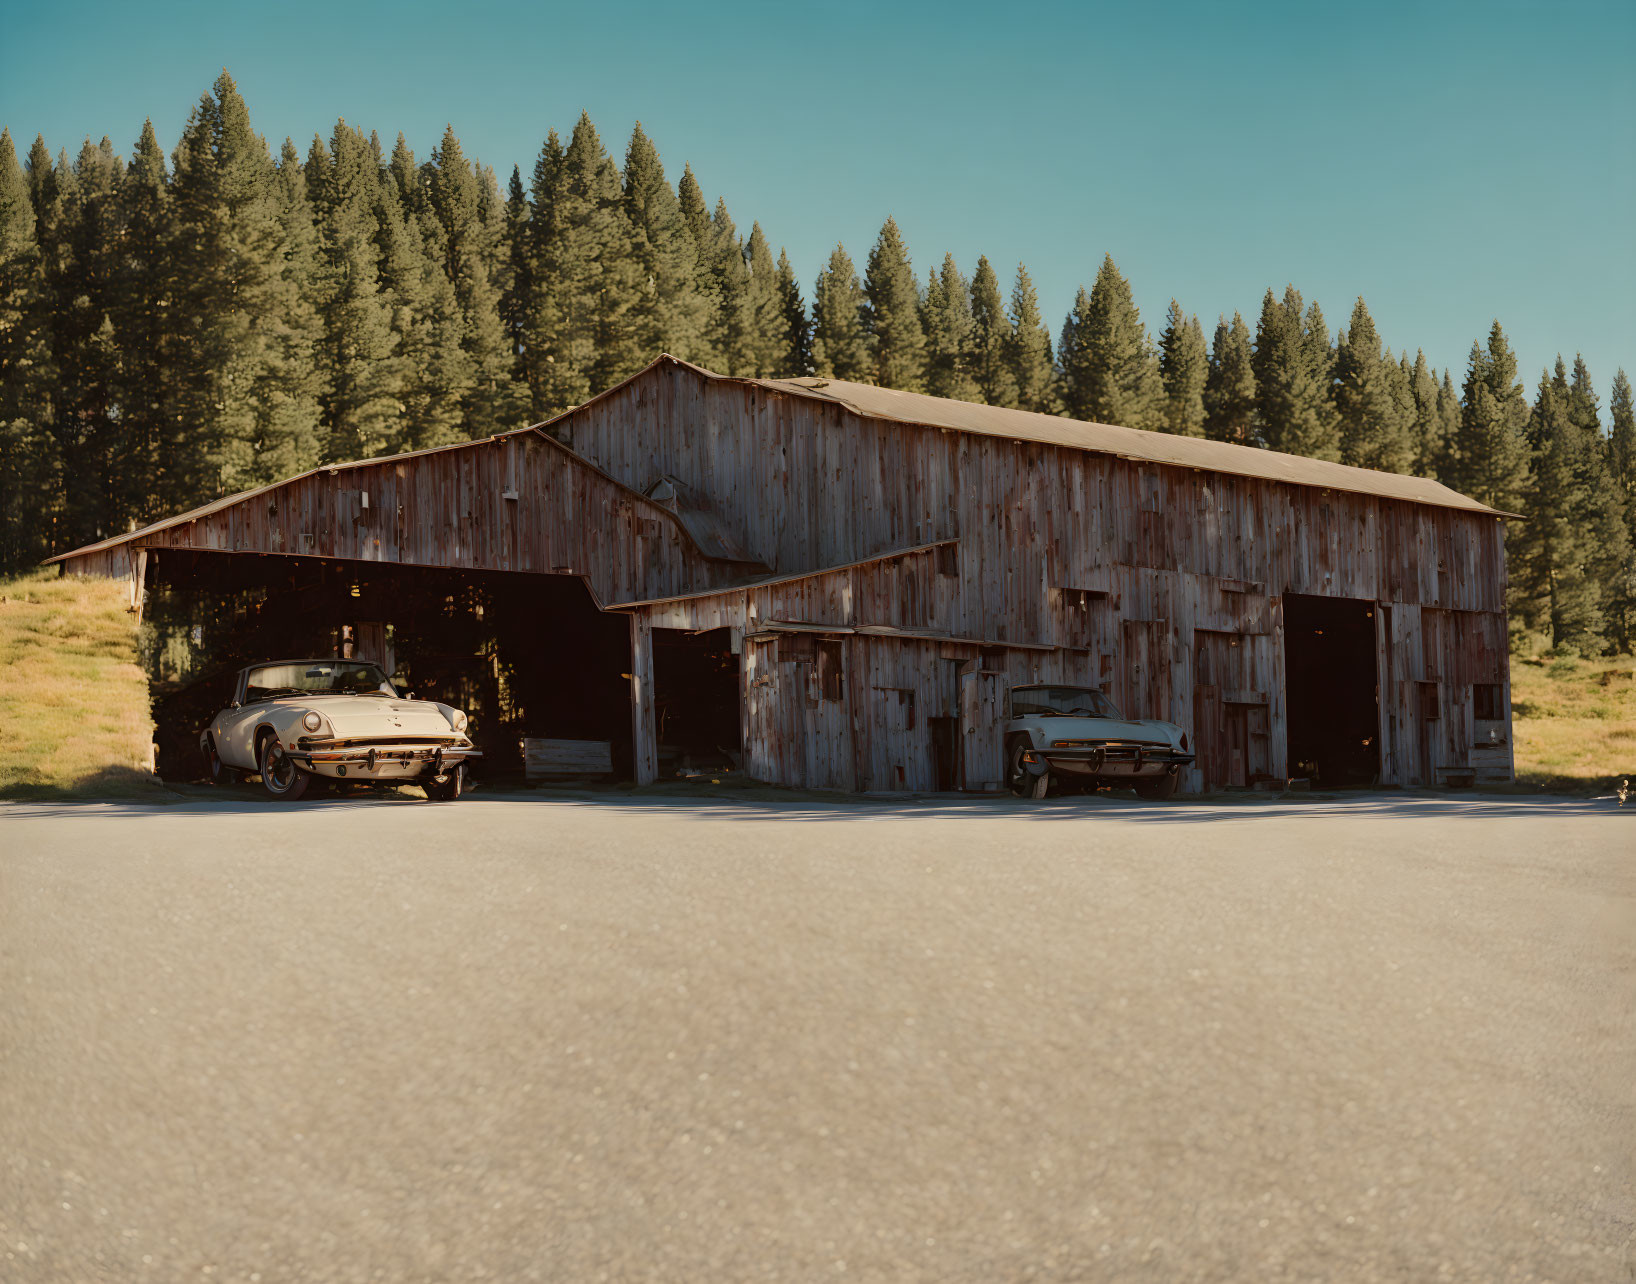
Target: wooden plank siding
{"x": 447, "y": 509}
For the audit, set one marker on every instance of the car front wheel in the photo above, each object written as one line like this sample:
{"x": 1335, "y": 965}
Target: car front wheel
{"x": 446, "y": 788}
{"x": 281, "y": 778}
{"x": 1023, "y": 783}
{"x": 1158, "y": 788}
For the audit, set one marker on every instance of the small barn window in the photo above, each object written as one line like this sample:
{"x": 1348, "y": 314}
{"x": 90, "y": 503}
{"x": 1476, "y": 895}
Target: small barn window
{"x": 1487, "y": 702}
{"x": 795, "y": 647}
{"x": 948, "y": 559}
{"x": 1429, "y": 711}
{"x": 829, "y": 668}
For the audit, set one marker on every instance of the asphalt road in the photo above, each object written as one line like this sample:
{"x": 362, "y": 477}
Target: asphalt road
{"x": 526, "y": 1039}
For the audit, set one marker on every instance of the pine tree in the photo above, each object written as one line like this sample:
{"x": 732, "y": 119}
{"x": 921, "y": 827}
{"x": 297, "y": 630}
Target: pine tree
{"x": 29, "y": 468}
{"x": 363, "y": 390}
{"x": 990, "y": 333}
{"x": 947, "y": 323}
{"x": 518, "y": 286}
{"x": 768, "y": 344}
{"x": 1449, "y": 412}
{"x": 1229, "y": 387}
{"x": 81, "y": 240}
{"x": 1490, "y": 457}
{"x": 1028, "y": 354}
{"x": 732, "y": 325}
{"x": 246, "y": 373}
{"x": 1184, "y": 367}
{"x": 696, "y": 220}
{"x": 1555, "y": 588}
{"x": 428, "y": 325}
{"x": 466, "y": 207}
{"x": 1108, "y": 368}
{"x": 1374, "y": 430}
{"x": 840, "y": 346}
{"x": 145, "y": 287}
{"x": 1621, "y": 456}
{"x": 1294, "y": 403}
{"x": 795, "y": 330}
{"x": 892, "y": 315}
{"x": 669, "y": 314}
{"x": 1600, "y": 510}
{"x": 1428, "y": 431}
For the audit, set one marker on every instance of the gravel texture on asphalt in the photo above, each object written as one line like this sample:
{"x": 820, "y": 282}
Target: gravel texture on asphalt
{"x": 515, "y": 1038}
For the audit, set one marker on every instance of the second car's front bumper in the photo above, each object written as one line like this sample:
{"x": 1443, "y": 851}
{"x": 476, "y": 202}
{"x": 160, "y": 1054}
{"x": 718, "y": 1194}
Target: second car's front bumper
{"x": 1107, "y": 760}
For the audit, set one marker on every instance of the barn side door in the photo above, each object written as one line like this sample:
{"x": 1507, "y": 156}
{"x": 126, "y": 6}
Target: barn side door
{"x": 982, "y": 708}
{"x": 1145, "y": 670}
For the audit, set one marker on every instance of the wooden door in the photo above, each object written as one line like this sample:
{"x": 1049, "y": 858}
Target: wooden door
{"x": 982, "y": 708}
{"x": 1145, "y": 670}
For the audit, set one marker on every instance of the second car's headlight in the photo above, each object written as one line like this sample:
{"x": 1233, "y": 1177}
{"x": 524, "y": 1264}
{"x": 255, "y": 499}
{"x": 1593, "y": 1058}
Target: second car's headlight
{"x": 312, "y": 722}
{"x": 459, "y": 720}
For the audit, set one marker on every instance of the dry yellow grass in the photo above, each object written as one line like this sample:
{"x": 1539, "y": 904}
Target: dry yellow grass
{"x": 1574, "y": 721}
{"x": 74, "y": 717}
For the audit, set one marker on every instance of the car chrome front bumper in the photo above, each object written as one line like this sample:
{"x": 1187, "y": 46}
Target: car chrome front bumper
{"x": 384, "y": 762}
{"x": 1107, "y": 760}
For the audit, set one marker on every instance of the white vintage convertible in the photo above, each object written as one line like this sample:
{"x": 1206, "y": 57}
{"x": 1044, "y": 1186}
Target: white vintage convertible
{"x": 292, "y": 720}
{"x": 1074, "y": 734}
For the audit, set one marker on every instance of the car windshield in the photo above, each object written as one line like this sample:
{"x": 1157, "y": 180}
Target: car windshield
{"x": 1047, "y": 702}
{"x": 338, "y": 677}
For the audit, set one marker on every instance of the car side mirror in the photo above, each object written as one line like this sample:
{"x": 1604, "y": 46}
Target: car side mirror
{"x": 408, "y": 695}
{"x": 234, "y": 705}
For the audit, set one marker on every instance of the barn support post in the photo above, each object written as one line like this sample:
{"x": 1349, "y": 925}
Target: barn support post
{"x": 644, "y": 736}
{"x": 139, "y": 582}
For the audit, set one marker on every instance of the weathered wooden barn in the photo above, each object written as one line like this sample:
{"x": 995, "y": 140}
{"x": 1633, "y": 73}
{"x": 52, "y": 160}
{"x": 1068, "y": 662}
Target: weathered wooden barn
{"x": 833, "y": 584}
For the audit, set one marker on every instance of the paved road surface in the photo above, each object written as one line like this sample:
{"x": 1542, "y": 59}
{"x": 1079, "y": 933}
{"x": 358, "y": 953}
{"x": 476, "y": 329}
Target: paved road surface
{"x": 526, "y": 1039}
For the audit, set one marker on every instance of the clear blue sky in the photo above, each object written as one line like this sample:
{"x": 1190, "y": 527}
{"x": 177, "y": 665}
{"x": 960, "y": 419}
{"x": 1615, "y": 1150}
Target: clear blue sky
{"x": 1451, "y": 162}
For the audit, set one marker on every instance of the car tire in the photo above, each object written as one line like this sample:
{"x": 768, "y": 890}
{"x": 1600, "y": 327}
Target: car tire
{"x": 217, "y": 771}
{"x": 1159, "y": 788}
{"x": 280, "y": 777}
{"x": 1022, "y": 782}
{"x": 449, "y": 788}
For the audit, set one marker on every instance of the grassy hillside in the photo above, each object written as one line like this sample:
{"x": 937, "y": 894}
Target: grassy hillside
{"x": 1574, "y": 721}
{"x": 73, "y": 703}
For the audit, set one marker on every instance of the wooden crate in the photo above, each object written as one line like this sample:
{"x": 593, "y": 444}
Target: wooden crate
{"x": 566, "y": 759}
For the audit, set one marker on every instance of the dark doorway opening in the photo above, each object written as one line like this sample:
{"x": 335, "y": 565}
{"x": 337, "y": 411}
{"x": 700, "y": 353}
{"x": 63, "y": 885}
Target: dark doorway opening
{"x": 523, "y": 655}
{"x": 1331, "y": 690}
{"x": 696, "y": 701}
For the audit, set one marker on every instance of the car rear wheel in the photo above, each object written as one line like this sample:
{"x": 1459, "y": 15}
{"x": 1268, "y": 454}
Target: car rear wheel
{"x": 1158, "y": 788}
{"x": 280, "y": 777}
{"x": 221, "y": 775}
{"x": 446, "y": 788}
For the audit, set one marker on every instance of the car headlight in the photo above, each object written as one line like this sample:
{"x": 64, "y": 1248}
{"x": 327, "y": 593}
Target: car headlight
{"x": 312, "y": 722}
{"x": 459, "y": 720}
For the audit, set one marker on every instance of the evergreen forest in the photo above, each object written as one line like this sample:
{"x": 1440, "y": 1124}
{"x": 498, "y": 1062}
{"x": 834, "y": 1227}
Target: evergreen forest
{"x": 178, "y": 327}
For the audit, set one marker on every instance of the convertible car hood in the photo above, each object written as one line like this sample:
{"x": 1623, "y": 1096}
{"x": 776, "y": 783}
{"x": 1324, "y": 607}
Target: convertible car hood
{"x": 358, "y": 716}
{"x": 1107, "y": 729}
